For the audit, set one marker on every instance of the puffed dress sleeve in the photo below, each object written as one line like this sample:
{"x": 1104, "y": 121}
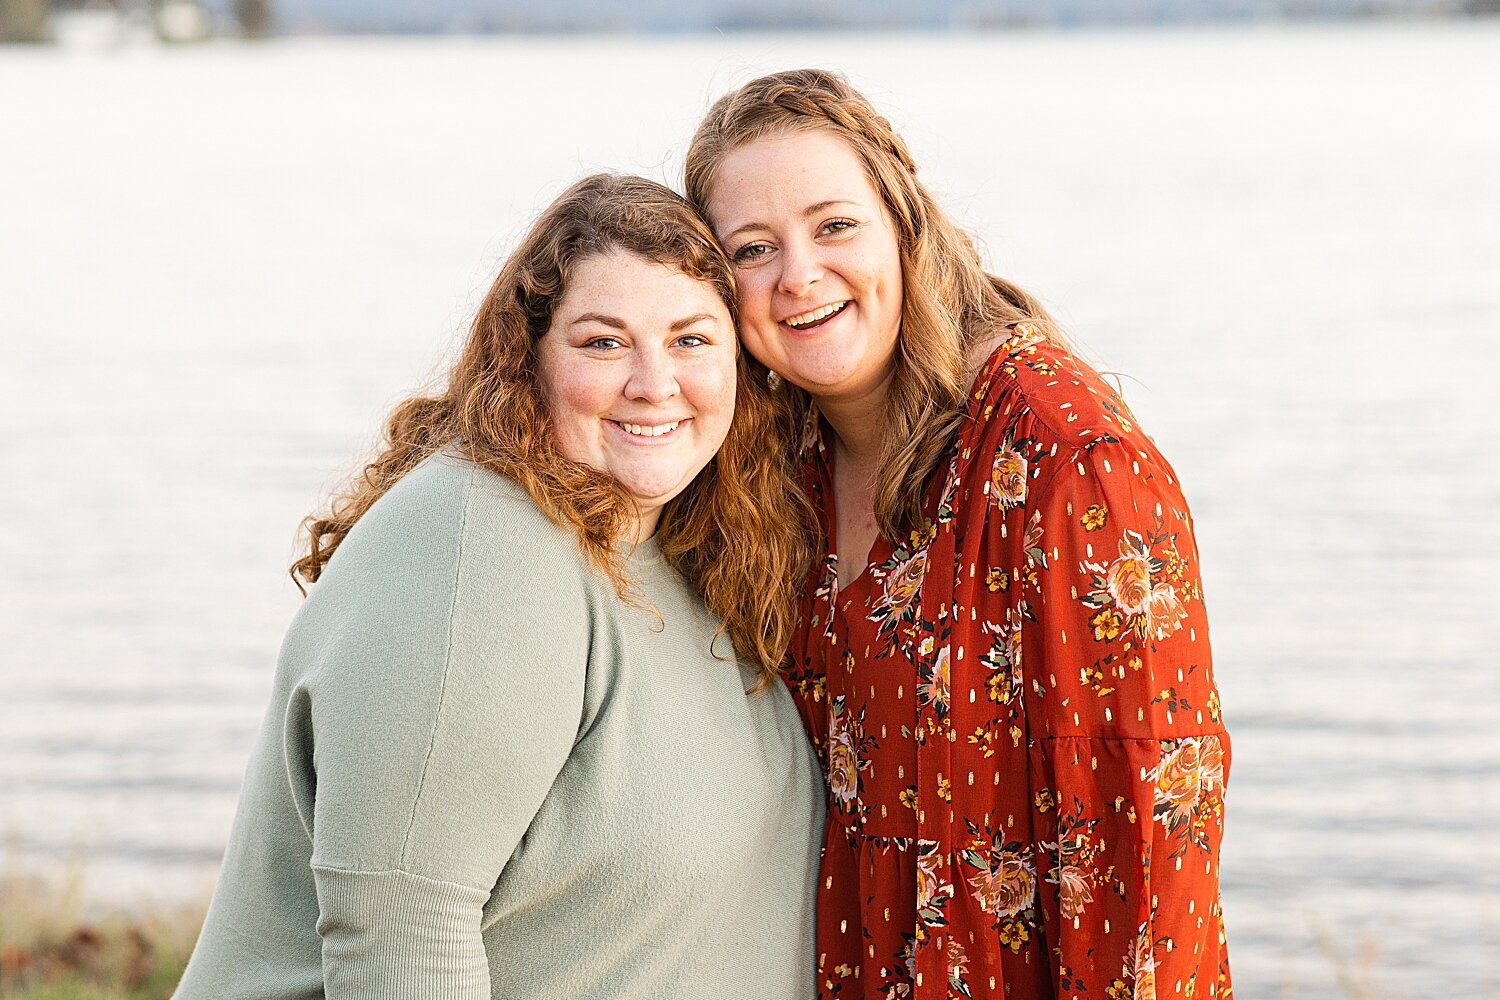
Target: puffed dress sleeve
{"x": 442, "y": 695}
{"x": 1127, "y": 752}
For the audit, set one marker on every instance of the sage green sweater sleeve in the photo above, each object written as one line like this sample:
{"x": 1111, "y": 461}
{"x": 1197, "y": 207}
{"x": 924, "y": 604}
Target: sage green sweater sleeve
{"x": 430, "y": 724}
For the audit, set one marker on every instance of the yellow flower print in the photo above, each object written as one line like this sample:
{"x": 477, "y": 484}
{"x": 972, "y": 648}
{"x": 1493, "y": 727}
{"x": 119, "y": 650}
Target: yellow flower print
{"x": 1176, "y": 566}
{"x": 945, "y": 789}
{"x": 1093, "y": 676}
{"x": 909, "y": 796}
{"x": 1107, "y": 623}
{"x": 1014, "y": 935}
{"x": 1003, "y": 659}
{"x": 1093, "y": 519}
{"x": 998, "y": 687}
{"x": 997, "y": 579}
{"x": 923, "y": 535}
{"x": 1044, "y": 801}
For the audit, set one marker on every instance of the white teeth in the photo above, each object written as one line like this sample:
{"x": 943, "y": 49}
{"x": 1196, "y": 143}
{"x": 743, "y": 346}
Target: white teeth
{"x": 823, "y": 312}
{"x": 650, "y": 430}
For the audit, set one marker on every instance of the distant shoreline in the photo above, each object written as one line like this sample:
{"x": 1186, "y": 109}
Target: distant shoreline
{"x": 52, "y": 23}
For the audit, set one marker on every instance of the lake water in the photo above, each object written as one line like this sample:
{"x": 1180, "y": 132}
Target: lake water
{"x": 220, "y": 266}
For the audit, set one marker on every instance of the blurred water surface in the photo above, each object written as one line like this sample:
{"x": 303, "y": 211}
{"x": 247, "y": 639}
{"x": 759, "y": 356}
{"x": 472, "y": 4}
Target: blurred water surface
{"x": 220, "y": 266}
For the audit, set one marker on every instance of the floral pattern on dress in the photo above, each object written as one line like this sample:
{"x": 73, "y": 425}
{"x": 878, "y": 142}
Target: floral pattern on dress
{"x": 1016, "y": 711}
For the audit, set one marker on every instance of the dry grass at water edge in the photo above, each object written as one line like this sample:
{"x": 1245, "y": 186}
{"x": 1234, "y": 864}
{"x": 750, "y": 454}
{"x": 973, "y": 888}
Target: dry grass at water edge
{"x": 53, "y": 948}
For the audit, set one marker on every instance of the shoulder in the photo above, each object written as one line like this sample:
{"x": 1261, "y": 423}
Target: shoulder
{"x": 1033, "y": 377}
{"x": 453, "y": 565}
{"x": 1032, "y": 388}
{"x": 1037, "y": 404}
{"x": 445, "y": 515}
{"x": 449, "y": 500}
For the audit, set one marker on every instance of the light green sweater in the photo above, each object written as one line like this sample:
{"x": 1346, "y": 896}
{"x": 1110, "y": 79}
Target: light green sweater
{"x": 482, "y": 775}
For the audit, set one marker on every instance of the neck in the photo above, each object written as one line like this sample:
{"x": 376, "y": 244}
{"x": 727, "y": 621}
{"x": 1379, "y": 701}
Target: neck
{"x": 858, "y": 424}
{"x": 643, "y": 527}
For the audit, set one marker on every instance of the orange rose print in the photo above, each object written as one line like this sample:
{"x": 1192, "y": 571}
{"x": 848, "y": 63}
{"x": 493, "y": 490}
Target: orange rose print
{"x": 904, "y": 582}
{"x": 1005, "y": 890}
{"x": 1008, "y": 479}
{"x": 1074, "y": 890}
{"x": 1128, "y": 581}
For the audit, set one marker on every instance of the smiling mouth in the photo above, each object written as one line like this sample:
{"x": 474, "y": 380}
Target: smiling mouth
{"x": 816, "y": 317}
{"x": 647, "y": 430}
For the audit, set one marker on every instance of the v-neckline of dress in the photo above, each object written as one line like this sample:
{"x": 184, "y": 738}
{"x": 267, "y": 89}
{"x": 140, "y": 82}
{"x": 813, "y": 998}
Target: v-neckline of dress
{"x": 842, "y": 595}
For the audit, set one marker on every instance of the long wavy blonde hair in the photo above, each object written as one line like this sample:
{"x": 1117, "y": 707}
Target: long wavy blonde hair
{"x": 737, "y": 533}
{"x": 950, "y": 301}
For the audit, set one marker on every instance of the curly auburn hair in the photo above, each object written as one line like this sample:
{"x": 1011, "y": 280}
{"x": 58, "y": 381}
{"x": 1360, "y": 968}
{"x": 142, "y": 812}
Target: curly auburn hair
{"x": 737, "y": 533}
{"x": 950, "y": 301}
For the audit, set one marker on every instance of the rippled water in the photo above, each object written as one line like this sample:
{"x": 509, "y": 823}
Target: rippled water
{"x": 220, "y": 266}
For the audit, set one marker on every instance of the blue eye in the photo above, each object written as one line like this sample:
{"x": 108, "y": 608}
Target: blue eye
{"x": 603, "y": 343}
{"x": 693, "y": 340}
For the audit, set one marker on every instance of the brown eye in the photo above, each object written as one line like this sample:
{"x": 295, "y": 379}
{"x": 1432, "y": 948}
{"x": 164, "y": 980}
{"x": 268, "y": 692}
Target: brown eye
{"x": 750, "y": 251}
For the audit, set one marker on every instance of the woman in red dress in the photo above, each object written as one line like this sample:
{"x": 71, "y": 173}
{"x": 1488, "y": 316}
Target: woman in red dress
{"x": 1003, "y": 659}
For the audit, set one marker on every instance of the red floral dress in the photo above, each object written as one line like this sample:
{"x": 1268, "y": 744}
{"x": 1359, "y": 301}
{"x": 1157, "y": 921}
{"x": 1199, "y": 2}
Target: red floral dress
{"x": 1016, "y": 714}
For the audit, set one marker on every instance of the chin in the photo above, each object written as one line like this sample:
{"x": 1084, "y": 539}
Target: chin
{"x": 822, "y": 382}
{"x": 653, "y": 492}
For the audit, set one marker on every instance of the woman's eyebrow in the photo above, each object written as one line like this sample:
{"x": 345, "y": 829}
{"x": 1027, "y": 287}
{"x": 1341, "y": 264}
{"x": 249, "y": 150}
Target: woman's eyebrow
{"x": 824, "y": 205}
{"x": 688, "y": 321}
{"x": 591, "y": 317}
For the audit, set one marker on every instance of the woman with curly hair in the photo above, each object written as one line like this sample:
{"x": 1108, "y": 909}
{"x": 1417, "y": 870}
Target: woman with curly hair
{"x": 1002, "y": 656}
{"x": 522, "y": 741}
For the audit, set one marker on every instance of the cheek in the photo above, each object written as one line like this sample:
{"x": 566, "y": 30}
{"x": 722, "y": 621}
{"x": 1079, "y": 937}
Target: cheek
{"x": 574, "y": 412}
{"x": 761, "y": 346}
{"x": 714, "y": 388}
{"x": 882, "y": 271}
{"x": 755, "y": 297}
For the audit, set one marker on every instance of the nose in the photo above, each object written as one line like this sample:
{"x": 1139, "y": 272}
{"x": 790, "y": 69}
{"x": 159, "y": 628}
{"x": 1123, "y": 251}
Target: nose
{"x": 800, "y": 270}
{"x": 653, "y": 377}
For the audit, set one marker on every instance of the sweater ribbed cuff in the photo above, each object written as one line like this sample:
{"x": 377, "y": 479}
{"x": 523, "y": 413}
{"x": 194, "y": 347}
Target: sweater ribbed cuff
{"x": 392, "y": 935}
